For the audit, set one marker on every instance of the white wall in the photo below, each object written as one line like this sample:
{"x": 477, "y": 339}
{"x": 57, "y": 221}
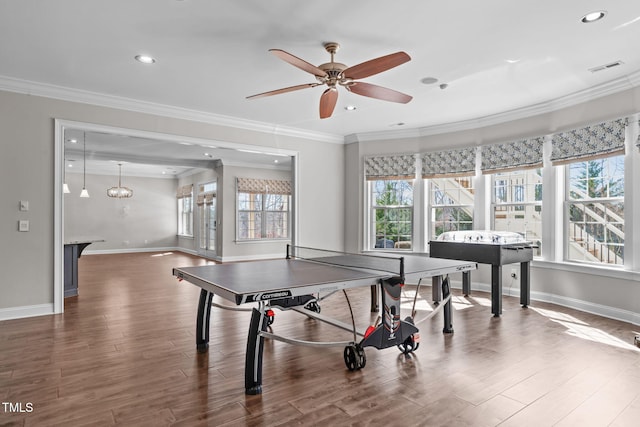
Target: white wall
{"x": 27, "y": 166}
{"x": 614, "y": 294}
{"x": 143, "y": 222}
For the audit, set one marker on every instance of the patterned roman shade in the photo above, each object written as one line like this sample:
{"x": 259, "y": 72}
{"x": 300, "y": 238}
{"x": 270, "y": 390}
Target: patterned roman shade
{"x": 458, "y": 162}
{"x": 206, "y": 198}
{"x": 390, "y": 167}
{"x": 521, "y": 154}
{"x": 184, "y": 191}
{"x": 270, "y": 186}
{"x": 604, "y": 139}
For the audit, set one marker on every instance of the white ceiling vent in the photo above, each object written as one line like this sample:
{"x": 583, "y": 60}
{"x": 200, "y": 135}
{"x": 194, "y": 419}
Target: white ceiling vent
{"x": 606, "y": 66}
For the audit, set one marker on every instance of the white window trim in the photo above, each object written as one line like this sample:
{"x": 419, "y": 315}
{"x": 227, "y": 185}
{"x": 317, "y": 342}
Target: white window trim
{"x": 271, "y": 239}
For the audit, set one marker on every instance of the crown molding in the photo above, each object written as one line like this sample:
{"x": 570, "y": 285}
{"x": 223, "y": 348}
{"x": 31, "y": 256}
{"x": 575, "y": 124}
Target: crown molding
{"x": 75, "y": 95}
{"x": 609, "y": 88}
{"x": 27, "y": 87}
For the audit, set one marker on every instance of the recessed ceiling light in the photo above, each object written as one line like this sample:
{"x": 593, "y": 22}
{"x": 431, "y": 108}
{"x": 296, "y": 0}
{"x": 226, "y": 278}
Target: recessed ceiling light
{"x": 593, "y": 16}
{"x": 145, "y": 59}
{"x": 276, "y": 161}
{"x": 512, "y": 61}
{"x": 429, "y": 80}
{"x": 350, "y": 107}
{"x": 73, "y": 141}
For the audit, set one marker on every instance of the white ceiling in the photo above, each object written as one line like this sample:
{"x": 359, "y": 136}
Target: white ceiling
{"x": 499, "y": 58}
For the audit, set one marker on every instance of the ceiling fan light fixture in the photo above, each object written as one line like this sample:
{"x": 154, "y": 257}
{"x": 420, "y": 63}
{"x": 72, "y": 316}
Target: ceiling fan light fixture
{"x": 593, "y": 16}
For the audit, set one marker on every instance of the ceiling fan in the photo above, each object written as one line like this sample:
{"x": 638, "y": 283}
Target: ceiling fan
{"x": 333, "y": 74}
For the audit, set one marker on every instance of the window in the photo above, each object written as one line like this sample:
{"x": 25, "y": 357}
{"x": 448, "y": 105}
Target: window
{"x": 263, "y": 214}
{"x": 392, "y": 213}
{"x": 595, "y": 210}
{"x": 451, "y": 202}
{"x": 185, "y": 210}
{"x": 517, "y": 204}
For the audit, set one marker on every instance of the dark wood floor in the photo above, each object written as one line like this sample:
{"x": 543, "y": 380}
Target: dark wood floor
{"x": 123, "y": 353}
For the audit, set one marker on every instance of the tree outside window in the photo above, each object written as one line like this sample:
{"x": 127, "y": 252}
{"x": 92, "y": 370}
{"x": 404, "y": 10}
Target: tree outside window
{"x": 392, "y": 210}
{"x": 263, "y": 216}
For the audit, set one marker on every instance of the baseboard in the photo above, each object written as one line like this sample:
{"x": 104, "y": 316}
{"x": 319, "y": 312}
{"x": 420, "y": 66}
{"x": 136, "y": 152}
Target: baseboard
{"x": 25, "y": 311}
{"x": 576, "y": 304}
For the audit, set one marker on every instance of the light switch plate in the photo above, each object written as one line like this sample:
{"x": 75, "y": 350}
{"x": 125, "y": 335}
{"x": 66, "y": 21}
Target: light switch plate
{"x": 24, "y": 205}
{"x": 23, "y": 225}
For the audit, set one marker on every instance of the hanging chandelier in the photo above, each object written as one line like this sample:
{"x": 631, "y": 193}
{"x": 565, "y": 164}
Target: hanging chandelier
{"x": 120, "y": 192}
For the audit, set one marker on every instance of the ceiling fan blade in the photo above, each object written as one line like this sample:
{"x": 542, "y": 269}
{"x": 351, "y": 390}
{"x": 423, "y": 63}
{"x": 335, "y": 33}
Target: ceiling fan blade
{"x": 375, "y": 66}
{"x": 328, "y": 102}
{"x": 378, "y": 92}
{"x": 283, "y": 90}
{"x": 297, "y": 62}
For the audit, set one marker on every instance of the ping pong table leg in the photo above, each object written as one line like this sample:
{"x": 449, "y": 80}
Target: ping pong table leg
{"x": 255, "y": 347}
{"x": 436, "y": 297}
{"x": 202, "y": 322}
{"x": 466, "y": 283}
{"x": 448, "y": 324}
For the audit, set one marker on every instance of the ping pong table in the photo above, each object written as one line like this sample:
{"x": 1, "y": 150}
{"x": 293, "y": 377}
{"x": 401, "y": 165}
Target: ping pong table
{"x": 304, "y": 278}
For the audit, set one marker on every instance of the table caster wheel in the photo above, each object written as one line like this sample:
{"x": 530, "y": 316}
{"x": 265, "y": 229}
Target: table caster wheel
{"x": 354, "y": 357}
{"x": 409, "y": 345}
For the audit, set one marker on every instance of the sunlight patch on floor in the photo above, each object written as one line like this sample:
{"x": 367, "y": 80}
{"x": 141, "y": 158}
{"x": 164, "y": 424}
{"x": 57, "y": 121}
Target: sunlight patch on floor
{"x": 485, "y": 302}
{"x": 580, "y": 329}
{"x": 557, "y": 316}
{"x": 162, "y": 254}
{"x": 594, "y": 334}
{"x": 406, "y": 301}
{"x": 460, "y": 303}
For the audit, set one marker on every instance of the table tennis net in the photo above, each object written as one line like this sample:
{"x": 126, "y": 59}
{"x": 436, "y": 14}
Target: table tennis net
{"x": 386, "y": 264}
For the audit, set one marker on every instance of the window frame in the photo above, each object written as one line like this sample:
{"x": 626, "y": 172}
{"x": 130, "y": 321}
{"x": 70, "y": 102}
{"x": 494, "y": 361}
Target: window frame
{"x": 182, "y": 203}
{"x": 431, "y": 206}
{"x": 373, "y": 208}
{"x": 568, "y": 201}
{"x": 516, "y": 201}
{"x": 264, "y": 217}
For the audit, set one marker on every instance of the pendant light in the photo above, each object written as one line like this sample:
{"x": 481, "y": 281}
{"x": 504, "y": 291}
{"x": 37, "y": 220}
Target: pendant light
{"x": 65, "y": 186}
{"x": 84, "y": 192}
{"x": 120, "y": 192}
